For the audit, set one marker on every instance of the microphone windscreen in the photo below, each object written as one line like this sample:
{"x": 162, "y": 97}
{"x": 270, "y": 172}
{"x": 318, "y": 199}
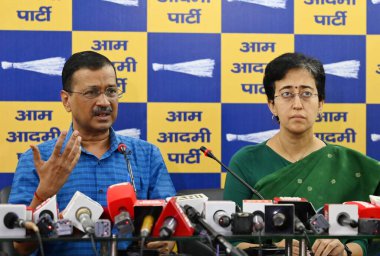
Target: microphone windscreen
{"x": 122, "y": 148}
{"x": 120, "y": 197}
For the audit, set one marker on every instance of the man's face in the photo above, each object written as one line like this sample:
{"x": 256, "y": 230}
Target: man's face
{"x": 96, "y": 115}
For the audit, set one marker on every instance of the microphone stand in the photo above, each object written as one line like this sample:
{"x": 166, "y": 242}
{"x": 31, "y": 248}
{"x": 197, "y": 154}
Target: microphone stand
{"x": 195, "y": 217}
{"x": 125, "y": 154}
{"x": 208, "y": 153}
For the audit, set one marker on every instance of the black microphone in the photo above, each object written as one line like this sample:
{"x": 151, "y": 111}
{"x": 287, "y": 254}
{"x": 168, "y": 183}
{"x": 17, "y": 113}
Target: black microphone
{"x": 122, "y": 148}
{"x": 258, "y": 221}
{"x": 168, "y": 227}
{"x": 46, "y": 223}
{"x": 344, "y": 219}
{"x": 196, "y": 218}
{"x": 208, "y": 153}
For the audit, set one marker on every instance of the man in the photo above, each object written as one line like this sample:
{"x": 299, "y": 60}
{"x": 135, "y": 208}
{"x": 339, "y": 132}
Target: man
{"x": 86, "y": 158}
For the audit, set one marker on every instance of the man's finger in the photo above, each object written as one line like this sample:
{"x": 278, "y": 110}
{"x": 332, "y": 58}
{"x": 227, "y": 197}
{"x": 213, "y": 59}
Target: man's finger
{"x": 70, "y": 144}
{"x": 156, "y": 245}
{"x": 36, "y": 156}
{"x": 58, "y": 146}
{"x": 76, "y": 156}
{"x": 75, "y": 152}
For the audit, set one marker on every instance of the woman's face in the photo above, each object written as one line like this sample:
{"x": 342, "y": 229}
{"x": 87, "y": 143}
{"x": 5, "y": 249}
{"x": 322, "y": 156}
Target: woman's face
{"x": 296, "y": 101}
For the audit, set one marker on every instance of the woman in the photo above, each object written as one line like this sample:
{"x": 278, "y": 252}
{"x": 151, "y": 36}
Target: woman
{"x": 296, "y": 163}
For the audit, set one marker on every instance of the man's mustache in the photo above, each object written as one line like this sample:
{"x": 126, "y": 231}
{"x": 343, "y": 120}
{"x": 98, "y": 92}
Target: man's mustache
{"x": 102, "y": 110}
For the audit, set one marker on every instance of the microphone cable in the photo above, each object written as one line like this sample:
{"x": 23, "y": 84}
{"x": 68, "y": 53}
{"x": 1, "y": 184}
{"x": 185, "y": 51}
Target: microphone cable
{"x": 93, "y": 243}
{"x": 308, "y": 242}
{"x": 260, "y": 253}
{"x": 142, "y": 246}
{"x": 32, "y": 226}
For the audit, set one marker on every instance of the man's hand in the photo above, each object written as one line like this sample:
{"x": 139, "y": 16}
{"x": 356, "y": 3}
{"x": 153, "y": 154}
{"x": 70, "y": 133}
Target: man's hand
{"x": 54, "y": 172}
{"x": 164, "y": 247}
{"x": 324, "y": 247}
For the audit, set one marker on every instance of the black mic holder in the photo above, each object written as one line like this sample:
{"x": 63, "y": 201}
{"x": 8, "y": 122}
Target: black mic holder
{"x": 208, "y": 153}
{"x": 196, "y": 218}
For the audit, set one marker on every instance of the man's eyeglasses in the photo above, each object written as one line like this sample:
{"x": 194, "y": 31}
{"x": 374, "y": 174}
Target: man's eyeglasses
{"x": 92, "y": 93}
{"x": 288, "y": 96}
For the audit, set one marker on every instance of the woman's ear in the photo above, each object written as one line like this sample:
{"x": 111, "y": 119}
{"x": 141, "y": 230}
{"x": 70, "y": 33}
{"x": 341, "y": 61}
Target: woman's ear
{"x": 320, "y": 106}
{"x": 272, "y": 107}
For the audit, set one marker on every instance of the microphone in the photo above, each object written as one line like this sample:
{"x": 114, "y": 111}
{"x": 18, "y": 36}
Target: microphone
{"x": 298, "y": 225}
{"x": 45, "y": 224}
{"x": 196, "y": 218}
{"x": 303, "y": 209}
{"x": 146, "y": 213}
{"x": 173, "y": 222}
{"x": 258, "y": 221}
{"x": 83, "y": 215}
{"x": 14, "y": 223}
{"x": 83, "y": 212}
{"x": 279, "y": 219}
{"x": 121, "y": 198}
{"x": 46, "y": 215}
{"x": 208, "y": 153}
{"x": 218, "y": 215}
{"x": 122, "y": 148}
{"x": 343, "y": 219}
{"x": 257, "y": 208}
{"x": 195, "y": 200}
{"x": 12, "y": 220}
{"x": 168, "y": 227}
{"x": 222, "y": 218}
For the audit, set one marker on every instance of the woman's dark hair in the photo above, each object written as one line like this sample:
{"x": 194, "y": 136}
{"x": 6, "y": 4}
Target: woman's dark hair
{"x": 87, "y": 59}
{"x": 279, "y": 67}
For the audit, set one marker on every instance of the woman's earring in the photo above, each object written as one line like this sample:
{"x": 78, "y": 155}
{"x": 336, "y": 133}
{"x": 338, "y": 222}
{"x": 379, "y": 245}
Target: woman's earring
{"x": 275, "y": 118}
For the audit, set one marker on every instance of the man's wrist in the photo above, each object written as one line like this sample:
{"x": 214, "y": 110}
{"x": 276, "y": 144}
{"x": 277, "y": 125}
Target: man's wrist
{"x": 38, "y": 197}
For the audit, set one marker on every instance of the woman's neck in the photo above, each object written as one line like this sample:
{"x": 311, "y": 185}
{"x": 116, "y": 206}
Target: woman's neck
{"x": 294, "y": 147}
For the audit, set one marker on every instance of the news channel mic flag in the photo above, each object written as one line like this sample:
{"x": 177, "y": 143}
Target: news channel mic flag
{"x": 191, "y": 72}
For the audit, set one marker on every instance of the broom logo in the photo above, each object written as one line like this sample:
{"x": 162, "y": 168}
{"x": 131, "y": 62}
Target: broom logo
{"x": 132, "y": 132}
{"x": 50, "y": 66}
{"x": 268, "y": 3}
{"x": 345, "y": 69}
{"x": 375, "y": 137}
{"x": 201, "y": 68}
{"x": 124, "y": 2}
{"x": 256, "y": 137}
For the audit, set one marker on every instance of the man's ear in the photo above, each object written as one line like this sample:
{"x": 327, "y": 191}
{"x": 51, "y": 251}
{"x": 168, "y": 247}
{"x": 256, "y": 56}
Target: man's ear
{"x": 65, "y": 98}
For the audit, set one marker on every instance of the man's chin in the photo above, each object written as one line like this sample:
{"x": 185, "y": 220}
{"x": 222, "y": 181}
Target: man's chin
{"x": 102, "y": 127}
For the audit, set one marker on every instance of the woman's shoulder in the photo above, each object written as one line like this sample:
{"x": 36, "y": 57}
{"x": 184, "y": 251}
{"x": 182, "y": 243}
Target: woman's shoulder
{"x": 345, "y": 152}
